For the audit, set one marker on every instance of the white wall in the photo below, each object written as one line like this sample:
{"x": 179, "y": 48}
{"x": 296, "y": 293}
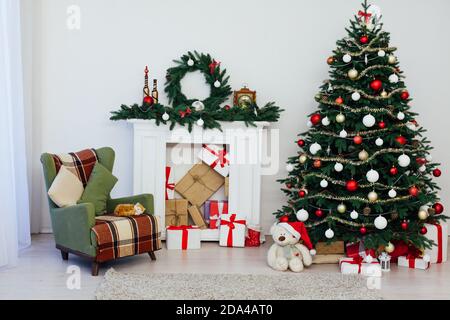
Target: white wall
{"x": 278, "y": 48}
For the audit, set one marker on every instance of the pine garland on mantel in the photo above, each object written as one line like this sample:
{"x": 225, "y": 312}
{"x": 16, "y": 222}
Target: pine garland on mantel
{"x": 183, "y": 111}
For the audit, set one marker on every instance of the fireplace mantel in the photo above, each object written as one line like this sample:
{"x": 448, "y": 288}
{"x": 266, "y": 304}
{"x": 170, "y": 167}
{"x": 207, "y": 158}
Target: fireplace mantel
{"x": 150, "y": 143}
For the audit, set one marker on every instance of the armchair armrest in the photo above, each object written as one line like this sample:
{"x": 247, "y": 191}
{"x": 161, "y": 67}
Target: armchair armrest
{"x": 72, "y": 227}
{"x": 145, "y": 199}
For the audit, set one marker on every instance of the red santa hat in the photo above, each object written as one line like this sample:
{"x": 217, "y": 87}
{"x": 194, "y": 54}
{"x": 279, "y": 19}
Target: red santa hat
{"x": 298, "y": 230}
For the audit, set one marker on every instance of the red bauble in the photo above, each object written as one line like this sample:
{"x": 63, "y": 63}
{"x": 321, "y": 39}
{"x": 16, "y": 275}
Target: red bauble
{"x": 437, "y": 172}
{"x": 316, "y": 118}
{"x": 301, "y": 143}
{"x": 317, "y": 164}
{"x": 421, "y": 161}
{"x": 393, "y": 171}
{"x": 404, "y": 95}
{"x": 318, "y": 213}
{"x": 401, "y": 140}
{"x": 352, "y": 185}
{"x": 438, "y": 208}
{"x": 357, "y": 139}
{"x": 302, "y": 193}
{"x": 148, "y": 100}
{"x": 376, "y": 85}
{"x": 413, "y": 191}
{"x": 284, "y": 219}
{"x": 423, "y": 230}
{"x": 288, "y": 185}
{"x": 330, "y": 60}
{"x": 382, "y": 125}
{"x": 404, "y": 225}
{"x": 363, "y": 230}
{"x": 339, "y": 100}
{"x": 227, "y": 107}
{"x": 364, "y": 39}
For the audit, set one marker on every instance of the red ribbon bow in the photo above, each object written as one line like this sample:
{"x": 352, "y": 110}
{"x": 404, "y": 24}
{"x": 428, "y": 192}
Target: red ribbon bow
{"x": 231, "y": 224}
{"x": 364, "y": 15}
{"x": 184, "y": 234}
{"x": 213, "y": 65}
{"x": 221, "y": 157}
{"x": 169, "y": 186}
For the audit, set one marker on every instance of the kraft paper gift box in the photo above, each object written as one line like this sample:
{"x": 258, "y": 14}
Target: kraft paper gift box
{"x": 197, "y": 217}
{"x": 199, "y": 184}
{"x": 183, "y": 238}
{"x": 413, "y": 263}
{"x": 359, "y": 266}
{"x": 170, "y": 185}
{"x": 232, "y": 231}
{"x": 214, "y": 211}
{"x": 327, "y": 258}
{"x": 438, "y": 233}
{"x": 215, "y": 157}
{"x": 227, "y": 186}
{"x": 335, "y": 247}
{"x": 176, "y": 212}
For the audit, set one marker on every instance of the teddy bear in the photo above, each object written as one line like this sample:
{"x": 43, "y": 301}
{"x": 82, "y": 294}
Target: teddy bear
{"x": 126, "y": 210}
{"x": 287, "y": 252}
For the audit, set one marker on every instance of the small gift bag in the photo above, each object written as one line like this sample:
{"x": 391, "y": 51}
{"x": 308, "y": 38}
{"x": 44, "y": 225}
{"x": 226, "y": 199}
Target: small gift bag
{"x": 253, "y": 236}
{"x": 232, "y": 231}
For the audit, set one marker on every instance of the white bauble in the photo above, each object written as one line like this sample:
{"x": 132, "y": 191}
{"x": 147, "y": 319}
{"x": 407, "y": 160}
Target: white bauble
{"x": 326, "y": 121}
{"x": 309, "y": 124}
{"x": 411, "y": 126}
{"x": 380, "y": 222}
{"x": 404, "y": 160}
{"x": 338, "y": 167}
{"x": 302, "y": 215}
{"x": 190, "y": 62}
{"x": 340, "y": 118}
{"x": 217, "y": 84}
{"x": 423, "y": 215}
{"x": 347, "y": 58}
{"x": 329, "y": 234}
{"x": 343, "y": 134}
{"x": 381, "y": 53}
{"x": 200, "y": 122}
{"x": 429, "y": 157}
{"x": 324, "y": 183}
{"x": 393, "y": 78}
{"x": 372, "y": 196}
{"x": 389, "y": 248}
{"x": 400, "y": 116}
{"x": 289, "y": 167}
{"x": 356, "y": 96}
{"x": 165, "y": 116}
{"x": 353, "y": 74}
{"x": 198, "y": 106}
{"x": 392, "y": 59}
{"x": 363, "y": 155}
{"x": 314, "y": 148}
{"x": 341, "y": 208}
{"x": 423, "y": 168}
{"x": 392, "y": 193}
{"x": 369, "y": 120}
{"x": 372, "y": 176}
{"x": 379, "y": 142}
{"x": 354, "y": 215}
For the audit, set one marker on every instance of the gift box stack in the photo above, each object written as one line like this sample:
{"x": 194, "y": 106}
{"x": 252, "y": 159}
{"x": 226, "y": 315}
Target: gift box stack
{"x": 196, "y": 210}
{"x": 360, "y": 260}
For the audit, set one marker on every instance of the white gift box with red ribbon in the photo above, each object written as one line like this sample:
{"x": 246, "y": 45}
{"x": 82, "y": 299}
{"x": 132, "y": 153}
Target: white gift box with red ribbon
{"x": 232, "y": 231}
{"x": 413, "y": 262}
{"x": 170, "y": 184}
{"x": 438, "y": 233}
{"x": 216, "y": 157}
{"x": 183, "y": 237}
{"x": 369, "y": 267}
{"x": 216, "y": 210}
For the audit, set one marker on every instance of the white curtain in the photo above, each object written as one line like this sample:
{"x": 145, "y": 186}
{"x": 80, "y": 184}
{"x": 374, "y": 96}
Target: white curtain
{"x": 14, "y": 201}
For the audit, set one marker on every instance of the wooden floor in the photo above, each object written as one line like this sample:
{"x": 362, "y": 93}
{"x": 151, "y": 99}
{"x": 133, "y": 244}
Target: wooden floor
{"x": 41, "y": 273}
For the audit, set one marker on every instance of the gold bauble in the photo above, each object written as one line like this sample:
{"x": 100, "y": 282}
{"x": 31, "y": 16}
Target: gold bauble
{"x": 372, "y": 196}
{"x": 384, "y": 94}
{"x": 392, "y": 59}
{"x": 340, "y": 118}
{"x": 363, "y": 155}
{"x": 353, "y": 74}
{"x": 367, "y": 211}
{"x": 423, "y": 215}
{"x": 389, "y": 248}
{"x": 341, "y": 208}
{"x": 394, "y": 215}
{"x": 302, "y": 159}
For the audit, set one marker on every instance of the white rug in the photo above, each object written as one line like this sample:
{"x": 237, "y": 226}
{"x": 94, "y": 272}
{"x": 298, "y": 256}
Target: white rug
{"x": 285, "y": 286}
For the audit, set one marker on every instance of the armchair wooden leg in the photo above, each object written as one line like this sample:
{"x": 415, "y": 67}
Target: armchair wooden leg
{"x": 64, "y": 255}
{"x": 152, "y": 255}
{"x": 95, "y": 267}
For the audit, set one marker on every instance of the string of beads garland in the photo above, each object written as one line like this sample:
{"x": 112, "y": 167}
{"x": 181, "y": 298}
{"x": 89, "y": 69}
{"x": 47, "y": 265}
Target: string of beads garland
{"x": 368, "y": 96}
{"x": 365, "y": 71}
{"x": 363, "y": 200}
{"x": 387, "y": 110}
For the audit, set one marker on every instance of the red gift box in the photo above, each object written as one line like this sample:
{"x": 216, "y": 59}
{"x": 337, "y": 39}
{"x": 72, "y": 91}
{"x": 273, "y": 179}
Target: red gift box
{"x": 253, "y": 236}
{"x": 357, "y": 249}
{"x": 170, "y": 186}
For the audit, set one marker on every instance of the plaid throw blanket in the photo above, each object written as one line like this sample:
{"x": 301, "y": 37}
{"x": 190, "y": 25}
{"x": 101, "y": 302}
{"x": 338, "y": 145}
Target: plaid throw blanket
{"x": 79, "y": 163}
{"x": 126, "y": 236}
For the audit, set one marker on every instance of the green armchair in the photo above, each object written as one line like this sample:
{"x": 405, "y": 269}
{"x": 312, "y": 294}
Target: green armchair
{"x": 72, "y": 226}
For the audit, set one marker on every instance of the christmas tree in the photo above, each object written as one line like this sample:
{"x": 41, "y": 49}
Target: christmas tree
{"x": 364, "y": 170}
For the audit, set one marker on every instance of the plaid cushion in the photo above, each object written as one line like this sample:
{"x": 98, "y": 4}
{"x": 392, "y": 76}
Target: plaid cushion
{"x": 126, "y": 236}
{"x": 79, "y": 163}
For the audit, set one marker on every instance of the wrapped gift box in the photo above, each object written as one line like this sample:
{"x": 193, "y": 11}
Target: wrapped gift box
{"x": 183, "y": 238}
{"x": 199, "y": 184}
{"x": 438, "y": 233}
{"x": 197, "y": 217}
{"x": 335, "y": 247}
{"x": 413, "y": 263}
{"x": 359, "y": 266}
{"x": 253, "y": 236}
{"x": 213, "y": 209}
{"x": 176, "y": 212}
{"x": 215, "y": 157}
{"x": 170, "y": 185}
{"x": 232, "y": 231}
{"x": 327, "y": 258}
{"x": 227, "y": 186}
{"x": 357, "y": 249}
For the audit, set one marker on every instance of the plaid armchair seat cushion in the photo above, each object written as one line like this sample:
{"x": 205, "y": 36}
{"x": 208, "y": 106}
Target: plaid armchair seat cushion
{"x": 118, "y": 237}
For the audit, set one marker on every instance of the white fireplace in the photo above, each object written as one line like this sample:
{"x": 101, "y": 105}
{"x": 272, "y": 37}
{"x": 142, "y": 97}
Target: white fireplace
{"x": 244, "y": 143}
